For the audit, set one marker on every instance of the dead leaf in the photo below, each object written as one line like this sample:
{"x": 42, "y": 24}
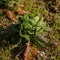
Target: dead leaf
{"x": 11, "y": 15}
{"x": 34, "y": 51}
{"x": 30, "y": 53}
{"x": 27, "y": 54}
{"x": 20, "y": 10}
{"x": 43, "y": 54}
{"x": 21, "y": 5}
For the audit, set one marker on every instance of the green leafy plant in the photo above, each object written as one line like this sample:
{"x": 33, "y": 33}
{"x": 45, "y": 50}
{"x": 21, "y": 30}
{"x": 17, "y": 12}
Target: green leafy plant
{"x": 31, "y": 26}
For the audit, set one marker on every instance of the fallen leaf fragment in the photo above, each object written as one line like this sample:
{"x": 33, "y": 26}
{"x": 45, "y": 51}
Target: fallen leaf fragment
{"x": 21, "y": 11}
{"x": 21, "y": 5}
{"x": 30, "y": 52}
{"x": 43, "y": 54}
{"x": 11, "y": 15}
{"x": 34, "y": 51}
{"x": 27, "y": 54}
